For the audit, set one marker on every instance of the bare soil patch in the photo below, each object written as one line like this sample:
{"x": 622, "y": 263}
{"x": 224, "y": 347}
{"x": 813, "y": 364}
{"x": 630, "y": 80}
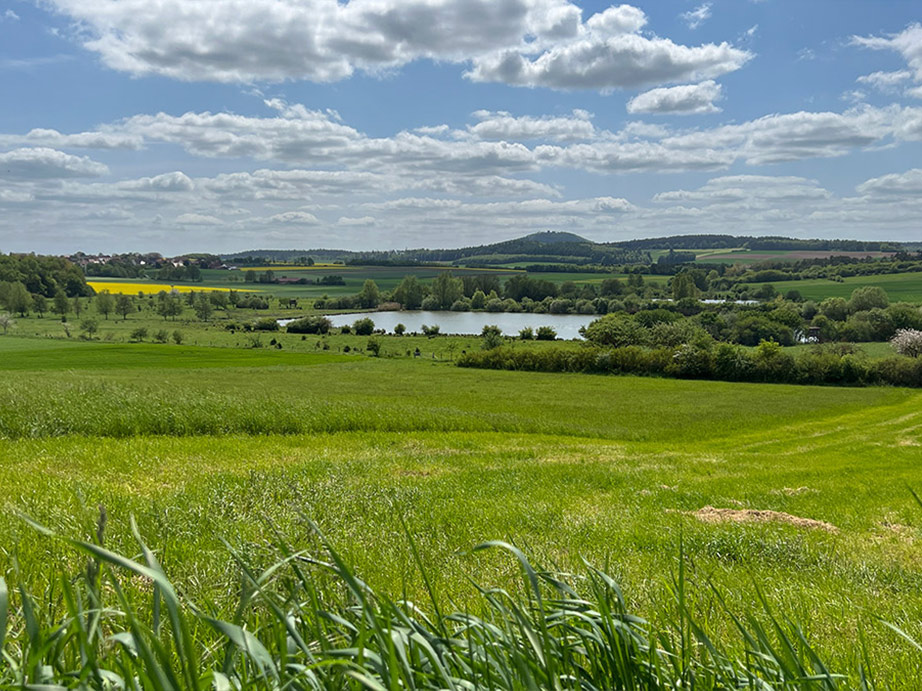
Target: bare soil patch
{"x": 709, "y": 514}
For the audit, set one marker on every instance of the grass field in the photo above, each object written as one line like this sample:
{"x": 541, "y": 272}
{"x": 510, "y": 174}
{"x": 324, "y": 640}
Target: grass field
{"x": 905, "y": 287}
{"x": 200, "y": 444}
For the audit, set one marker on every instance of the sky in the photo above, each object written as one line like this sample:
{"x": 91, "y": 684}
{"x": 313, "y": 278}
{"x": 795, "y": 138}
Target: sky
{"x": 223, "y": 125}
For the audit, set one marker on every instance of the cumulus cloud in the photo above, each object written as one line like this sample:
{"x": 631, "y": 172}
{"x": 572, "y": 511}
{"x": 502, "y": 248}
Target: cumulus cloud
{"x": 43, "y": 163}
{"x": 610, "y": 52}
{"x": 908, "y": 184}
{"x": 686, "y": 99}
{"x": 327, "y": 40}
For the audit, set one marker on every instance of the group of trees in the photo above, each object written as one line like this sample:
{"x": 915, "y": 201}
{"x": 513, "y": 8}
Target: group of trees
{"x": 486, "y": 292}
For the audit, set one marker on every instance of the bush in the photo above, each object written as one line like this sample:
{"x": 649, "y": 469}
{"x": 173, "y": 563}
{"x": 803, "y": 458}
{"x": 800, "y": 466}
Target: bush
{"x": 310, "y": 325}
{"x": 907, "y": 342}
{"x": 363, "y": 327}
{"x": 139, "y": 334}
{"x": 431, "y": 331}
{"x": 400, "y": 330}
{"x": 161, "y": 336}
{"x": 527, "y": 334}
{"x": 265, "y": 324}
{"x": 546, "y": 333}
{"x": 492, "y": 337}
{"x": 177, "y": 337}
{"x": 373, "y": 346}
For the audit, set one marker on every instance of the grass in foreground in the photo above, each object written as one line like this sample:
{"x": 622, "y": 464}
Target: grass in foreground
{"x": 310, "y": 622}
{"x": 611, "y": 469}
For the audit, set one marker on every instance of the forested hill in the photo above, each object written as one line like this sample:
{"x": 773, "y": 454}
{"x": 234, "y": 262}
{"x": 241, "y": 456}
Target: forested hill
{"x": 768, "y": 242}
{"x": 565, "y": 248}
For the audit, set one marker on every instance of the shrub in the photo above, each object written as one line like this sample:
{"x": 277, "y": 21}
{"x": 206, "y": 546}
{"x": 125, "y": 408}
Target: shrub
{"x": 431, "y": 331}
{"x": 161, "y": 336}
{"x": 310, "y": 325}
{"x": 139, "y": 334}
{"x": 907, "y": 342}
{"x": 527, "y": 334}
{"x": 400, "y": 330}
{"x": 373, "y": 346}
{"x": 177, "y": 337}
{"x": 492, "y": 337}
{"x": 546, "y": 333}
{"x": 265, "y": 324}
{"x": 363, "y": 327}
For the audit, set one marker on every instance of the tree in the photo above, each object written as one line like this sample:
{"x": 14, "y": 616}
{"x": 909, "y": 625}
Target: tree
{"x": 683, "y": 286}
{"x": 478, "y": 300}
{"x": 219, "y": 299}
{"x": 78, "y": 306}
{"x": 907, "y": 342}
{"x": 168, "y": 306}
{"x": 363, "y": 327}
{"x": 124, "y": 306}
{"x": 400, "y": 330}
{"x": 203, "y": 308}
{"x": 446, "y": 289}
{"x": 139, "y": 334}
{"x": 492, "y": 337}
{"x": 105, "y": 303}
{"x": 177, "y": 337}
{"x": 61, "y": 304}
{"x": 6, "y": 321}
{"x": 409, "y": 293}
{"x": 868, "y": 297}
{"x": 17, "y": 298}
{"x": 89, "y": 326}
{"x": 369, "y": 296}
{"x": 39, "y": 305}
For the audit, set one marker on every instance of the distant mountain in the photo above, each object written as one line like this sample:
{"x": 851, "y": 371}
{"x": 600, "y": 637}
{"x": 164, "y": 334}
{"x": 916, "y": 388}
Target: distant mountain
{"x": 551, "y": 237}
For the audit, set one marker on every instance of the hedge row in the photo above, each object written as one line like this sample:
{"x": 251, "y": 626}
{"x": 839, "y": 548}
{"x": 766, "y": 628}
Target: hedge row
{"x": 769, "y": 362}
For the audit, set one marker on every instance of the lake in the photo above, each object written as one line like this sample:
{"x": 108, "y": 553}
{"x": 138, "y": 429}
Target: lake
{"x": 567, "y": 326}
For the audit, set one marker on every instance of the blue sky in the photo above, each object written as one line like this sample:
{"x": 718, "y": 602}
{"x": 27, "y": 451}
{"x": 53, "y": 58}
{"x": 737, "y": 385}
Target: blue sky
{"x": 186, "y": 125}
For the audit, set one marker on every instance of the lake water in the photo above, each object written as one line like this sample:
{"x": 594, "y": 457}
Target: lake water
{"x": 566, "y": 325}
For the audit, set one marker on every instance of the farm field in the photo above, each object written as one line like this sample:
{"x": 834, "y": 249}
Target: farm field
{"x": 387, "y": 278}
{"x": 906, "y": 287}
{"x": 203, "y": 444}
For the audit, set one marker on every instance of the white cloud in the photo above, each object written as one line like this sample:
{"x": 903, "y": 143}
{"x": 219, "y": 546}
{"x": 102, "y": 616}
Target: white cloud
{"x": 79, "y": 140}
{"x": 696, "y": 17}
{"x": 10, "y": 16}
{"x": 690, "y": 98}
{"x": 352, "y": 222}
{"x": 884, "y": 81}
{"x": 505, "y": 126}
{"x": 193, "y": 219}
{"x": 609, "y": 52}
{"x": 908, "y": 43}
{"x": 908, "y": 184}
{"x": 327, "y": 40}
{"x": 44, "y": 163}
{"x": 294, "y": 218}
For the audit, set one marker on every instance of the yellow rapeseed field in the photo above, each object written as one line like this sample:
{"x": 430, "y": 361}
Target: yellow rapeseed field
{"x": 150, "y": 288}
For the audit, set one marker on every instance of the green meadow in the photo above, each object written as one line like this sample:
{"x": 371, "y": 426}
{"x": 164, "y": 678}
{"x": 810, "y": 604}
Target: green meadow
{"x": 208, "y": 447}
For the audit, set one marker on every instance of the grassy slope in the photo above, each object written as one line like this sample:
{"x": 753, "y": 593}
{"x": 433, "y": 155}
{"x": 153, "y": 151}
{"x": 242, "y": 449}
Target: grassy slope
{"x": 567, "y": 466}
{"x": 900, "y": 287}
